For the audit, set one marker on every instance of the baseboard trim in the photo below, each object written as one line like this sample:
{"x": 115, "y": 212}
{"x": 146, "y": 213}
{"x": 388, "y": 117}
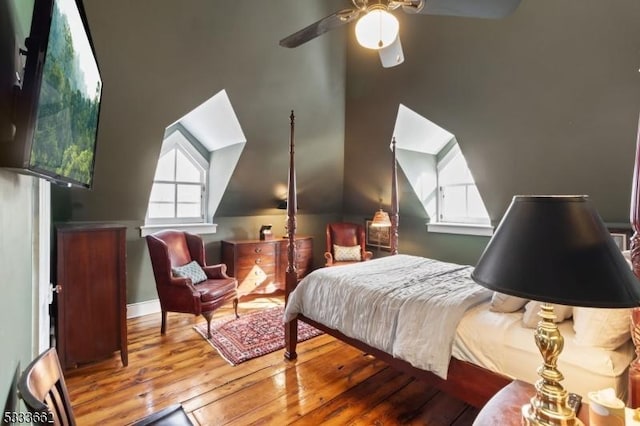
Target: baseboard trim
{"x": 139, "y": 309}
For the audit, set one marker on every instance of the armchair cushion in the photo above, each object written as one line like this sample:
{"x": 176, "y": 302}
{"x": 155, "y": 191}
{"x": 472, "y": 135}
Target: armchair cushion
{"x": 346, "y": 254}
{"x": 221, "y": 288}
{"x": 191, "y": 270}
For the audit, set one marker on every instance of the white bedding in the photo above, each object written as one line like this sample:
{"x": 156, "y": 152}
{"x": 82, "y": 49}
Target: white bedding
{"x": 376, "y": 310}
{"x": 407, "y": 306}
{"x": 499, "y": 342}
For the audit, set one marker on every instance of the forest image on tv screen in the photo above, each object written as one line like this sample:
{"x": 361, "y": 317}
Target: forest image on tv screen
{"x": 67, "y": 117}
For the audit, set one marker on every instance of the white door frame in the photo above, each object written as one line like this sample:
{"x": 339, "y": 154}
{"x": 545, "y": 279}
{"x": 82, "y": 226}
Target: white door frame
{"x": 42, "y": 294}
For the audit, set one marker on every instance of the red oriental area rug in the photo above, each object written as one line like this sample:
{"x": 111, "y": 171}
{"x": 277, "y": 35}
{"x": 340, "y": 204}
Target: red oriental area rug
{"x": 252, "y": 335}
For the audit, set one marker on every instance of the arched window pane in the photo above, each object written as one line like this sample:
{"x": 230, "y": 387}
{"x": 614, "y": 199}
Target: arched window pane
{"x": 187, "y": 171}
{"x": 189, "y": 193}
{"x": 163, "y": 192}
{"x": 476, "y": 206}
{"x": 455, "y": 171}
{"x": 166, "y": 168}
{"x": 453, "y": 202}
{"x": 189, "y": 210}
{"x": 189, "y": 201}
{"x": 161, "y": 210}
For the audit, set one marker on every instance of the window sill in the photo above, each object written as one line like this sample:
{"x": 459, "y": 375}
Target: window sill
{"x": 461, "y": 229}
{"x": 194, "y": 228}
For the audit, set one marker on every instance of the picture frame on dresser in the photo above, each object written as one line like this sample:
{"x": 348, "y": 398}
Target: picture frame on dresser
{"x": 377, "y": 236}
{"x": 621, "y": 236}
{"x": 620, "y": 240}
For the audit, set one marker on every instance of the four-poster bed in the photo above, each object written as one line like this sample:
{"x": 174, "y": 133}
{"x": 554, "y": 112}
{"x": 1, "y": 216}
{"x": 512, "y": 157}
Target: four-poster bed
{"x": 469, "y": 375}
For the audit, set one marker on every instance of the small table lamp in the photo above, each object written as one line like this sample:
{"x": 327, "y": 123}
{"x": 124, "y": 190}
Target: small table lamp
{"x": 555, "y": 249}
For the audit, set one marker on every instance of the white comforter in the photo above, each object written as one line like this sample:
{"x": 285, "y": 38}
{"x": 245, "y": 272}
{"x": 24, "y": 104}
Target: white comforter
{"x": 404, "y": 305}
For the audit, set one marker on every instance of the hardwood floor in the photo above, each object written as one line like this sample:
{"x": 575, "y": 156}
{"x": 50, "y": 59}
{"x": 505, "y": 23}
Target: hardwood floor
{"x": 330, "y": 383}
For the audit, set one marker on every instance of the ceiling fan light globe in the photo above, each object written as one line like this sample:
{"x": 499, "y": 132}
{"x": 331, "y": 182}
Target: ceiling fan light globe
{"x": 377, "y": 29}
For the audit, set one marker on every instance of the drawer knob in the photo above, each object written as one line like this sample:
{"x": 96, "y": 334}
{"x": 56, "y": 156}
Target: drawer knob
{"x": 258, "y": 260}
{"x": 258, "y": 249}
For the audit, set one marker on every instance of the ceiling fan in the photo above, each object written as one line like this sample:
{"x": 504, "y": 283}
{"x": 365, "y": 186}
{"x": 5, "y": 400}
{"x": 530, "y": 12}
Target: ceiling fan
{"x": 378, "y": 29}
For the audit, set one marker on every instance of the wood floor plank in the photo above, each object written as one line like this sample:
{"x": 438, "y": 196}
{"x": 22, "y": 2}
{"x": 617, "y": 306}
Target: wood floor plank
{"x": 296, "y": 379}
{"x": 330, "y": 383}
{"x": 439, "y": 410}
{"x": 360, "y": 398}
{"x": 400, "y": 407}
{"x": 302, "y": 397}
{"x": 261, "y": 368}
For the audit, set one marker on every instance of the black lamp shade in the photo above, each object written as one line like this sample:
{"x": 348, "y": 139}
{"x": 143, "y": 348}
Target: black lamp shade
{"x": 556, "y": 249}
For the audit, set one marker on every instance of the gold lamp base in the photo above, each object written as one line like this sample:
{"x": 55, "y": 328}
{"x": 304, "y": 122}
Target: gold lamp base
{"x": 530, "y": 417}
{"x": 549, "y": 405}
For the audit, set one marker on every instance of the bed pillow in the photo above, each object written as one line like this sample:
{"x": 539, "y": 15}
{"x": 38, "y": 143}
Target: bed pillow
{"x": 191, "y": 270}
{"x": 603, "y": 328}
{"x": 346, "y": 254}
{"x": 501, "y": 302}
{"x": 530, "y": 318}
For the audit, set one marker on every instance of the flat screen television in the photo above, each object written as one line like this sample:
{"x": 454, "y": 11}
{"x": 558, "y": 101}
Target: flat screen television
{"x": 58, "y": 103}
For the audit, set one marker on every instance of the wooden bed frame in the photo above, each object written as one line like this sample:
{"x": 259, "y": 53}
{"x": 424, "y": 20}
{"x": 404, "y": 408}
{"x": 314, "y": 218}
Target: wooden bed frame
{"x": 465, "y": 381}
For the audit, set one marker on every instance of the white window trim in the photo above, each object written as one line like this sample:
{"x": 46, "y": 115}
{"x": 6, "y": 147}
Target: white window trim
{"x": 175, "y": 223}
{"x": 449, "y": 227}
{"x": 472, "y": 220}
{"x": 194, "y": 228}
{"x": 460, "y": 228}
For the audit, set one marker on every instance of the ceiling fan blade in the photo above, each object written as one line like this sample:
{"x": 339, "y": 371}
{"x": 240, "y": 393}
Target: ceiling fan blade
{"x": 320, "y": 27}
{"x": 392, "y": 55}
{"x": 490, "y": 9}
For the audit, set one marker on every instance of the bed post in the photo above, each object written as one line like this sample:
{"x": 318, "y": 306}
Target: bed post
{"x": 291, "y": 280}
{"x": 634, "y": 369}
{"x": 394, "y": 200}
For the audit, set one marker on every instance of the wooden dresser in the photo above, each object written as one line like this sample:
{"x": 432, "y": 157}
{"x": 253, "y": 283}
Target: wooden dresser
{"x": 260, "y": 266}
{"x": 91, "y": 301}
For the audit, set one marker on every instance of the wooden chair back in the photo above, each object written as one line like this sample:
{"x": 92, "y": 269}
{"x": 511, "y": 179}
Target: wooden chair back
{"x": 44, "y": 391}
{"x": 45, "y": 394}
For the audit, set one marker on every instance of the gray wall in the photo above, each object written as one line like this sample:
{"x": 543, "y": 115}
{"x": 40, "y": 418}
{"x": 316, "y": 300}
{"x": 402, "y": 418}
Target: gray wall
{"x": 543, "y": 102}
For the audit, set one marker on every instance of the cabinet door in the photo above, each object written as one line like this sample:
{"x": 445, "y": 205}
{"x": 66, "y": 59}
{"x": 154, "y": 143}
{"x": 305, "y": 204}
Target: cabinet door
{"x": 90, "y": 271}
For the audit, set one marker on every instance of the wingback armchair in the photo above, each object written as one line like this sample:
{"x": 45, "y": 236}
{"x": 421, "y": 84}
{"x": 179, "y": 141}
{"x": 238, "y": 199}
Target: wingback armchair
{"x": 345, "y": 244}
{"x": 174, "y": 249}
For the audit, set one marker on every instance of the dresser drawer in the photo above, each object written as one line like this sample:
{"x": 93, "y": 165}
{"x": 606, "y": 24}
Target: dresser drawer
{"x": 255, "y": 260}
{"x": 305, "y": 244}
{"x": 256, "y": 270}
{"x": 253, "y": 280}
{"x": 304, "y": 253}
{"x": 253, "y": 249}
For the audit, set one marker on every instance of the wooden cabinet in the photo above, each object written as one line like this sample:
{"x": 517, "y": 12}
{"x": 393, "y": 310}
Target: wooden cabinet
{"x": 260, "y": 266}
{"x": 91, "y": 307}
